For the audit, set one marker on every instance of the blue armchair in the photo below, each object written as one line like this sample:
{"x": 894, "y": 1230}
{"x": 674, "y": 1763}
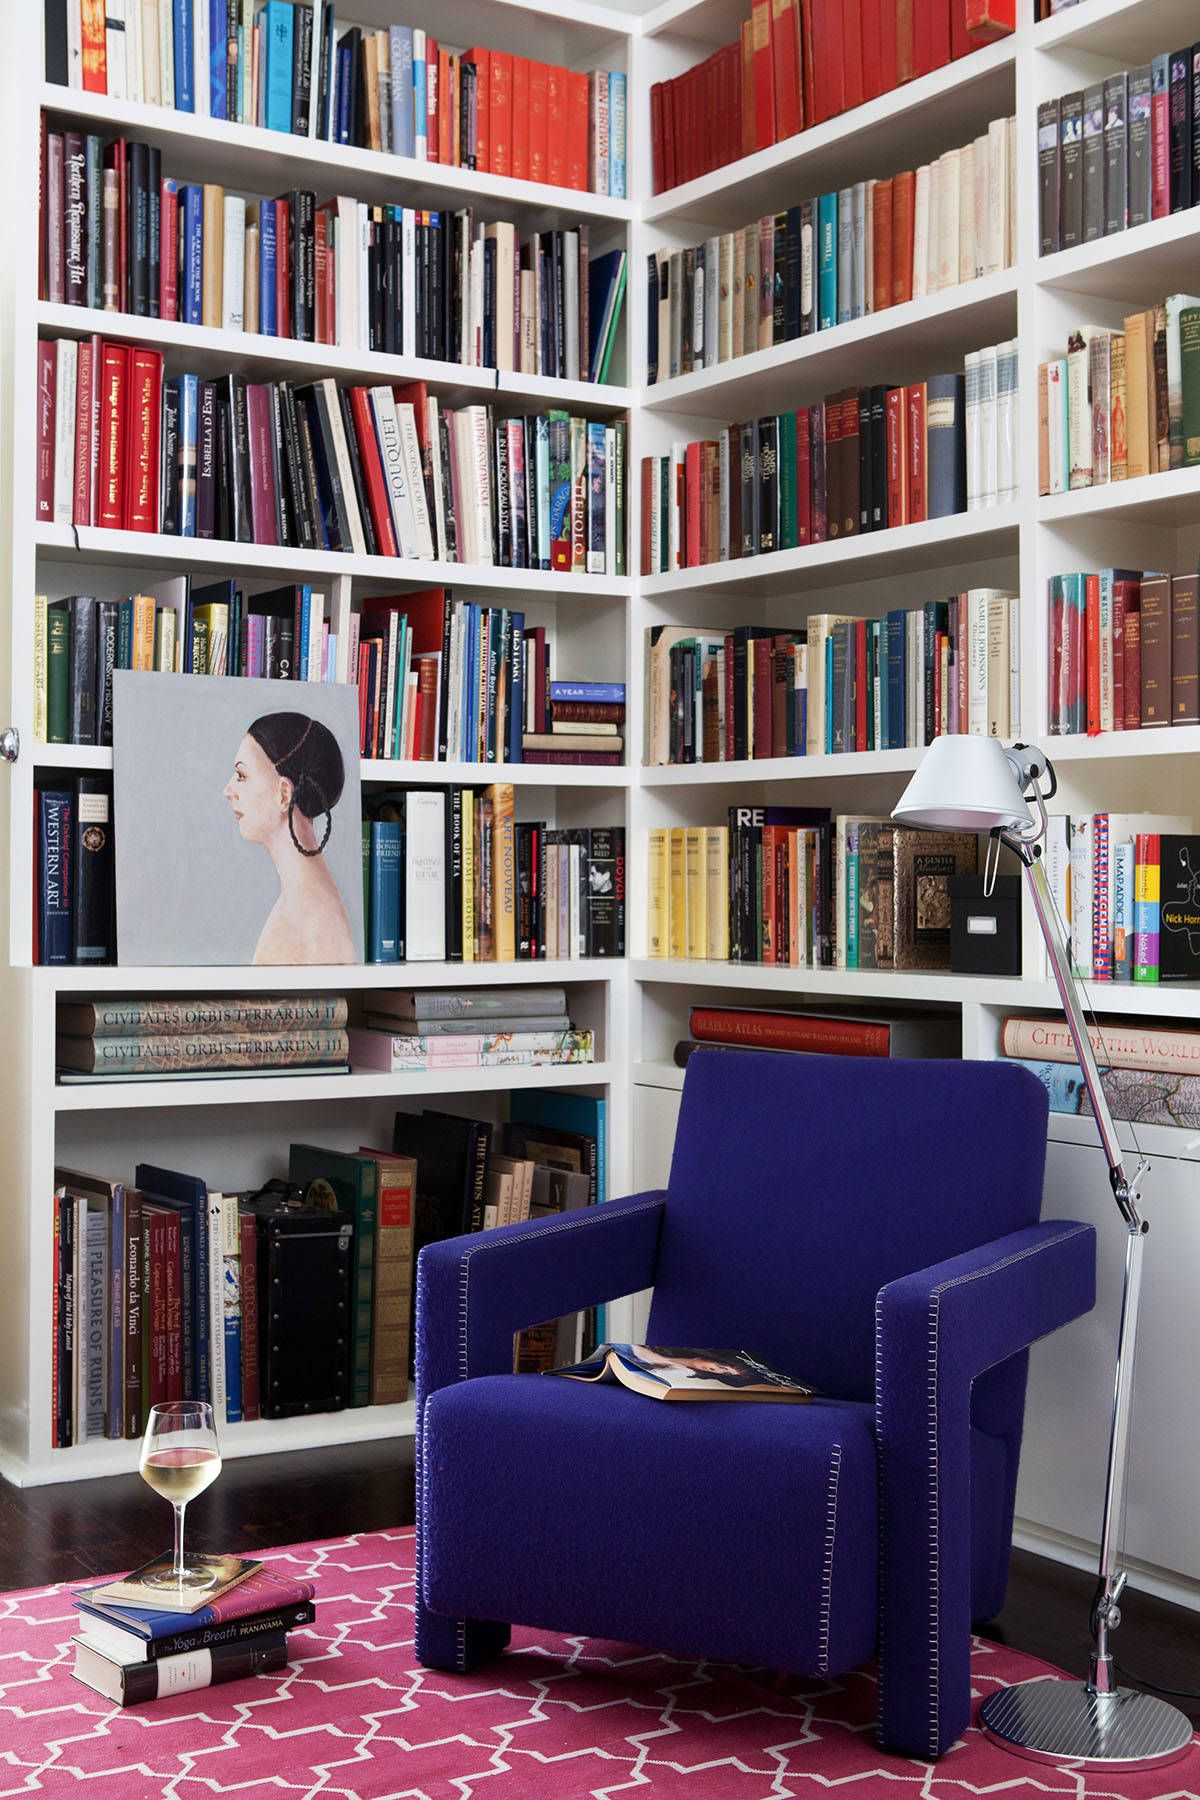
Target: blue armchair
{"x": 870, "y": 1227}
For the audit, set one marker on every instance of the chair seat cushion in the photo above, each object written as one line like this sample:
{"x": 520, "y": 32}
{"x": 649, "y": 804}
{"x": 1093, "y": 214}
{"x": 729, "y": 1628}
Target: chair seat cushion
{"x": 735, "y": 1531}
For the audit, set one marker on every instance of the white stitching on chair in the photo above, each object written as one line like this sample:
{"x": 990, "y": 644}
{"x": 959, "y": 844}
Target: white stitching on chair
{"x": 935, "y": 1298}
{"x": 831, "y": 1502}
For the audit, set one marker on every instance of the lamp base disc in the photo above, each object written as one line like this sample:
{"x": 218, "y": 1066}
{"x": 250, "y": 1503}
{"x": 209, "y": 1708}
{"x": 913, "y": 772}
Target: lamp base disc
{"x": 1063, "y": 1722}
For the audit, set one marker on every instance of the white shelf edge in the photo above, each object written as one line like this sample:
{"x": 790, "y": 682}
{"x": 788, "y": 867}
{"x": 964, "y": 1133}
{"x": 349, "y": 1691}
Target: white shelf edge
{"x": 1168, "y": 488}
{"x": 290, "y": 1089}
{"x": 228, "y": 978}
{"x": 856, "y": 764}
{"x": 658, "y": 1075}
{"x": 376, "y": 771}
{"x": 1176, "y": 740}
{"x": 336, "y": 161}
{"x": 1069, "y": 268}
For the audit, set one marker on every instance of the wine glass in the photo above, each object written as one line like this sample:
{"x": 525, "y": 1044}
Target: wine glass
{"x": 180, "y": 1458}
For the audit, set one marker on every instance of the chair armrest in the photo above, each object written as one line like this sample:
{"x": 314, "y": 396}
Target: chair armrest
{"x": 475, "y": 1292}
{"x": 935, "y": 1332}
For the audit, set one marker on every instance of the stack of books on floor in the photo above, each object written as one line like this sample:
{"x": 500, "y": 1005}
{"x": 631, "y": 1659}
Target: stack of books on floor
{"x": 1150, "y": 1073}
{"x": 135, "y": 1039}
{"x": 138, "y": 1642}
{"x": 911, "y": 1034}
{"x": 468, "y": 1028}
{"x": 1124, "y": 653}
{"x": 1127, "y": 889}
{"x": 580, "y": 722}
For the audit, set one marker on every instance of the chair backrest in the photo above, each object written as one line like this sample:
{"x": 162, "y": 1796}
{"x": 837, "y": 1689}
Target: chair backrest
{"x": 800, "y": 1185}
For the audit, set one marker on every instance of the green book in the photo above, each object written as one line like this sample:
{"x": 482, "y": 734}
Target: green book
{"x": 354, "y": 1181}
{"x": 1189, "y": 366}
{"x": 58, "y": 673}
{"x": 789, "y": 523}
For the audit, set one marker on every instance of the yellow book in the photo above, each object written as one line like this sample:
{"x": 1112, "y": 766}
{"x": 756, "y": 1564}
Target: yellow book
{"x": 213, "y": 284}
{"x": 504, "y": 872}
{"x": 143, "y": 631}
{"x": 40, "y": 667}
{"x": 657, "y": 895}
{"x": 214, "y": 616}
{"x": 1139, "y": 395}
{"x": 677, "y": 911}
{"x": 716, "y": 870}
{"x": 468, "y": 878}
{"x": 695, "y": 876}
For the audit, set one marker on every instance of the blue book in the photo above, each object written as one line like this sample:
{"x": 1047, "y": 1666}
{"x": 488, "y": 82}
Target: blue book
{"x": 189, "y": 431}
{"x": 827, "y": 233}
{"x": 945, "y": 446}
{"x": 594, "y": 693}
{"x": 896, "y": 696}
{"x": 278, "y": 19}
{"x": 616, "y": 134}
{"x": 55, "y": 825}
{"x": 266, "y": 268}
{"x": 387, "y": 846}
{"x": 420, "y": 100}
{"x": 231, "y": 1295}
{"x": 883, "y": 736}
{"x": 191, "y": 215}
{"x": 579, "y": 1114}
{"x": 218, "y": 59}
{"x": 516, "y": 685}
{"x": 403, "y": 118}
{"x": 302, "y": 646}
{"x": 345, "y": 76}
{"x": 185, "y": 73}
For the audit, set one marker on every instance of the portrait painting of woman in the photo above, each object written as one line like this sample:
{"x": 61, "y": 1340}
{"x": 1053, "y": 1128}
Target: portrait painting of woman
{"x": 287, "y": 778}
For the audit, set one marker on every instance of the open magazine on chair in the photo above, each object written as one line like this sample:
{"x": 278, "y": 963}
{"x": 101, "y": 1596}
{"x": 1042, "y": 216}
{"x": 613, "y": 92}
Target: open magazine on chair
{"x": 679, "y": 1374}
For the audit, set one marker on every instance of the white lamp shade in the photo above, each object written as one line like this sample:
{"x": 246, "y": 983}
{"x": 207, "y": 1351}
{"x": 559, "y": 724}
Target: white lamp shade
{"x": 965, "y": 783}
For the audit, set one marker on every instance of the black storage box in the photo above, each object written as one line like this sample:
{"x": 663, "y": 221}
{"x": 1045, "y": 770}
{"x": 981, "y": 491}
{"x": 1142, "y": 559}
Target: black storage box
{"x": 304, "y": 1274}
{"x": 985, "y": 934}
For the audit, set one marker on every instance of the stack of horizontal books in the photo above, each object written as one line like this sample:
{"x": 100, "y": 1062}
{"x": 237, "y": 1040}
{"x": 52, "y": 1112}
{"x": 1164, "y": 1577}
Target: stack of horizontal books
{"x": 138, "y": 1642}
{"x": 136, "y": 1039}
{"x": 468, "y": 1028}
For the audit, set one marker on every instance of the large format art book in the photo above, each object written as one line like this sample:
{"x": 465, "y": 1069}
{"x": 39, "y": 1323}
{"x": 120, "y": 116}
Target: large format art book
{"x": 675, "y": 1374}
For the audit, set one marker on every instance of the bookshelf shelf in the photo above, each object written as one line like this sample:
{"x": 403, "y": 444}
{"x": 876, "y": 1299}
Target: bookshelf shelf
{"x": 858, "y": 764}
{"x": 250, "y": 157}
{"x": 1165, "y": 499}
{"x": 133, "y": 1096}
{"x": 938, "y": 110}
{"x": 1125, "y": 32}
{"x": 1136, "y": 266}
{"x": 455, "y": 774}
{"x": 204, "y": 350}
{"x": 1120, "y": 746}
{"x": 899, "y": 344}
{"x": 336, "y": 978}
{"x": 154, "y": 550}
{"x": 710, "y": 22}
{"x": 936, "y": 544}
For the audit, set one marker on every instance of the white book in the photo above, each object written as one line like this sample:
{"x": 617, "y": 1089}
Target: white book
{"x": 1082, "y": 897}
{"x": 696, "y": 302}
{"x": 64, "y": 430}
{"x": 346, "y": 271}
{"x": 151, "y": 73}
{"x": 949, "y": 166}
{"x": 503, "y": 235}
{"x": 411, "y": 445}
{"x": 408, "y": 281}
{"x": 1014, "y": 665}
{"x": 166, "y": 55}
{"x": 723, "y": 465}
{"x": 437, "y": 476}
{"x": 712, "y": 301}
{"x": 920, "y": 278}
{"x": 395, "y": 470}
{"x": 1007, "y": 393}
{"x": 933, "y": 228}
{"x": 977, "y": 661}
{"x": 869, "y": 241}
{"x": 570, "y": 264}
{"x": 1010, "y": 154}
{"x": 314, "y": 68}
{"x": 115, "y": 49}
{"x": 610, "y": 500}
{"x": 133, "y": 50}
{"x": 363, "y": 275}
{"x": 982, "y": 176}
{"x": 999, "y": 663}
{"x": 996, "y": 246}
{"x": 678, "y": 456}
{"x": 233, "y": 266}
{"x": 75, "y": 43}
{"x": 656, "y": 564}
{"x": 1056, "y": 383}
{"x": 966, "y": 213}
{"x": 475, "y": 303}
{"x": 480, "y": 482}
{"x": 1079, "y": 410}
{"x": 328, "y": 387}
{"x": 987, "y": 426}
{"x": 462, "y": 477}
{"x": 425, "y": 875}
{"x": 971, "y": 409}
{"x": 201, "y": 59}
{"x": 575, "y": 928}
{"x": 528, "y": 324}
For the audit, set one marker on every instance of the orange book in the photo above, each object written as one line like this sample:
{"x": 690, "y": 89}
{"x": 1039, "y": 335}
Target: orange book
{"x": 764, "y": 74}
{"x": 897, "y": 463}
{"x": 539, "y": 144}
{"x": 914, "y": 405}
{"x": 432, "y": 101}
{"x": 881, "y": 273}
{"x": 556, "y": 125}
{"x": 1091, "y": 628}
{"x": 749, "y": 138}
{"x": 1140, "y": 411}
{"x": 905, "y": 53}
{"x": 520, "y": 118}
{"x": 785, "y": 51}
{"x": 483, "y": 95}
{"x": 904, "y": 200}
{"x": 500, "y": 120}
{"x": 95, "y": 61}
{"x": 578, "y": 113}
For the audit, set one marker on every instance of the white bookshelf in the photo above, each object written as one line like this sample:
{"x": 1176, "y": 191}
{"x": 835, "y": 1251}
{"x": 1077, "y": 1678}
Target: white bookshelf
{"x": 639, "y": 1007}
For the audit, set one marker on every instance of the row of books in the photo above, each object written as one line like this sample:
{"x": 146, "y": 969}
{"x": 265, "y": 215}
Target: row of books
{"x": 450, "y": 876}
{"x": 863, "y": 459}
{"x": 1122, "y": 151}
{"x": 1125, "y": 885}
{"x": 118, "y": 235}
{"x": 840, "y": 684}
{"x": 1122, "y": 404}
{"x": 1150, "y": 1073}
{"x": 373, "y": 471}
{"x": 1123, "y": 651}
{"x": 789, "y": 886}
{"x": 291, "y": 66}
{"x": 797, "y": 63}
{"x": 839, "y": 257}
{"x": 148, "y": 1040}
{"x": 520, "y": 1027}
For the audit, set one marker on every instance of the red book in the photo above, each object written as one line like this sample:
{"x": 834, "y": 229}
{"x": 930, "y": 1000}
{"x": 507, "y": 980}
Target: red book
{"x": 262, "y": 473}
{"x": 577, "y": 130}
{"x": 47, "y": 396}
{"x": 556, "y": 125}
{"x": 835, "y": 73}
{"x": 914, "y": 402}
{"x": 803, "y": 478}
{"x": 143, "y": 425}
{"x": 832, "y": 434}
{"x": 539, "y": 121}
{"x": 154, "y": 1303}
{"x": 762, "y": 682}
{"x": 1160, "y": 165}
{"x": 940, "y": 32}
{"x": 283, "y": 269}
{"x": 991, "y": 19}
{"x": 808, "y": 92}
{"x": 790, "y": 1031}
{"x": 852, "y": 54}
{"x": 433, "y": 148}
{"x": 769, "y": 895}
{"x": 1132, "y": 660}
{"x": 820, "y": 63}
{"x": 904, "y": 204}
{"x": 872, "y": 32}
{"x": 168, "y": 265}
{"x": 95, "y": 61}
{"x": 881, "y": 247}
{"x": 961, "y": 41}
{"x": 897, "y": 471}
{"x": 785, "y": 49}
{"x": 81, "y": 503}
{"x": 657, "y": 165}
{"x": 520, "y": 118}
{"x": 817, "y": 487}
{"x": 321, "y": 331}
{"x": 114, "y": 382}
{"x": 649, "y": 475}
{"x": 500, "y": 112}
{"x": 693, "y": 505}
{"x": 888, "y": 10}
{"x": 746, "y": 87}
{"x": 922, "y": 37}
{"x": 248, "y": 1243}
{"x": 860, "y": 684}
{"x": 904, "y": 41}
{"x": 1092, "y": 644}
{"x": 372, "y": 463}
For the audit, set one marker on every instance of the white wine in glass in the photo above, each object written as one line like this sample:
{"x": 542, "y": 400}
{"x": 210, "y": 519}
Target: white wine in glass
{"x": 180, "y": 1458}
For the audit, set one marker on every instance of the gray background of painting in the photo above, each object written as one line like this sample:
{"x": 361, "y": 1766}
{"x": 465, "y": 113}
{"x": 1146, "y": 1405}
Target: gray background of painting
{"x": 189, "y": 889}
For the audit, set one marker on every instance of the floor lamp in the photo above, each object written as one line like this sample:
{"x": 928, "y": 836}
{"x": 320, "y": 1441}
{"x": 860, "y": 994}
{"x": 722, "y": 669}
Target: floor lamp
{"x": 966, "y": 783}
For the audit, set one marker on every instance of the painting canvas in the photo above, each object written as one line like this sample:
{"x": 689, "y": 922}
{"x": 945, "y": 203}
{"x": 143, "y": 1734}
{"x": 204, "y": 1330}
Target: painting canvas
{"x": 238, "y": 820}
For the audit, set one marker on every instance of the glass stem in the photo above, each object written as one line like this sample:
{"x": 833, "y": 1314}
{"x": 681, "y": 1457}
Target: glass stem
{"x": 180, "y": 1507}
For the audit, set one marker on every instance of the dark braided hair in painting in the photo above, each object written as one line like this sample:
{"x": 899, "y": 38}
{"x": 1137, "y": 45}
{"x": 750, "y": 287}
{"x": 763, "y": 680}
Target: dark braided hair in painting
{"x": 306, "y": 753}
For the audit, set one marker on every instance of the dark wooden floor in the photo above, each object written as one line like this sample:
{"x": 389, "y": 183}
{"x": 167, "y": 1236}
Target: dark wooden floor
{"x": 87, "y": 1528}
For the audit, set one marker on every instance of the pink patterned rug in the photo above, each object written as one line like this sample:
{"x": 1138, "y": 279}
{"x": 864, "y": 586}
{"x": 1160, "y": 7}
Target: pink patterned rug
{"x": 355, "y": 1718}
